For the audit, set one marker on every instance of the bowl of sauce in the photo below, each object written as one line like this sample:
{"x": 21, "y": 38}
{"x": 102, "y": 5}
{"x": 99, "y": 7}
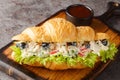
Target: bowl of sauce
{"x": 80, "y": 15}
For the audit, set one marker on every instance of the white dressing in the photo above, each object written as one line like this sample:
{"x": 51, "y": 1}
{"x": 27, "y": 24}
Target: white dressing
{"x": 95, "y": 47}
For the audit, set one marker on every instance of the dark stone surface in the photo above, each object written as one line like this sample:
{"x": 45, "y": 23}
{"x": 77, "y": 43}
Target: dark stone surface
{"x": 16, "y": 15}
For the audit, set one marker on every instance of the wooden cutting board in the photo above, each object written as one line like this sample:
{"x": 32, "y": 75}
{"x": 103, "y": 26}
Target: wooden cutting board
{"x": 71, "y": 74}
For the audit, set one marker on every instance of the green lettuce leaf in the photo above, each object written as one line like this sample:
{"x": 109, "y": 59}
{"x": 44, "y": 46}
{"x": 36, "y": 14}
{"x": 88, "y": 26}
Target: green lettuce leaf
{"x": 90, "y": 60}
{"x": 17, "y": 54}
{"x": 30, "y": 59}
{"x": 71, "y": 61}
{"x": 16, "y": 50}
{"x": 59, "y": 59}
{"x": 108, "y": 54}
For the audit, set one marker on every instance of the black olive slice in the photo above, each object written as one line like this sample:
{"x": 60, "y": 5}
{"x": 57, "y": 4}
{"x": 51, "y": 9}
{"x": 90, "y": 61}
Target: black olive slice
{"x": 21, "y": 45}
{"x": 87, "y": 44}
{"x": 104, "y": 42}
{"x": 45, "y": 45}
{"x": 71, "y": 43}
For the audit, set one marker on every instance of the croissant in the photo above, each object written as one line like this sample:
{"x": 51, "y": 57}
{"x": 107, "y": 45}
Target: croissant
{"x": 58, "y": 44}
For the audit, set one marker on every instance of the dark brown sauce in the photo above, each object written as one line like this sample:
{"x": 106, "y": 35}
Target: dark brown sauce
{"x": 79, "y": 11}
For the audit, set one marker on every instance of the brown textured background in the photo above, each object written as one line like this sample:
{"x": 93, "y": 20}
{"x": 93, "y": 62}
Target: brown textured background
{"x": 16, "y": 15}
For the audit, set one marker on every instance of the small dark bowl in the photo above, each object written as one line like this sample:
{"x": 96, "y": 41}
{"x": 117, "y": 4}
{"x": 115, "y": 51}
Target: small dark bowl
{"x": 79, "y": 15}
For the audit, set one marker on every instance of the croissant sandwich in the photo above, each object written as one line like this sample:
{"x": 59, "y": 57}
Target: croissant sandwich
{"x": 59, "y": 45}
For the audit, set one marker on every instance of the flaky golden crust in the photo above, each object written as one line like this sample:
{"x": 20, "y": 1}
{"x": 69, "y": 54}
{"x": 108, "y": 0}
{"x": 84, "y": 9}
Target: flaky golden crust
{"x": 100, "y": 36}
{"x": 60, "y": 30}
{"x": 56, "y": 66}
{"x": 22, "y": 37}
{"x": 78, "y": 66}
{"x": 36, "y": 64}
{"x": 85, "y": 33}
{"x": 35, "y": 34}
{"x": 62, "y": 66}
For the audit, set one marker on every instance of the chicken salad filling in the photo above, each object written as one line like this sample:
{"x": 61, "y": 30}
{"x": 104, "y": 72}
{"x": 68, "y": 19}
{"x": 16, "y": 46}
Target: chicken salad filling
{"x": 70, "y": 52}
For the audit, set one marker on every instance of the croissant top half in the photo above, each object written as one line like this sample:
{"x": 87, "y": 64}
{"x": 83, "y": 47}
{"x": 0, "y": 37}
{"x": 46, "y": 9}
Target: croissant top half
{"x": 59, "y": 30}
